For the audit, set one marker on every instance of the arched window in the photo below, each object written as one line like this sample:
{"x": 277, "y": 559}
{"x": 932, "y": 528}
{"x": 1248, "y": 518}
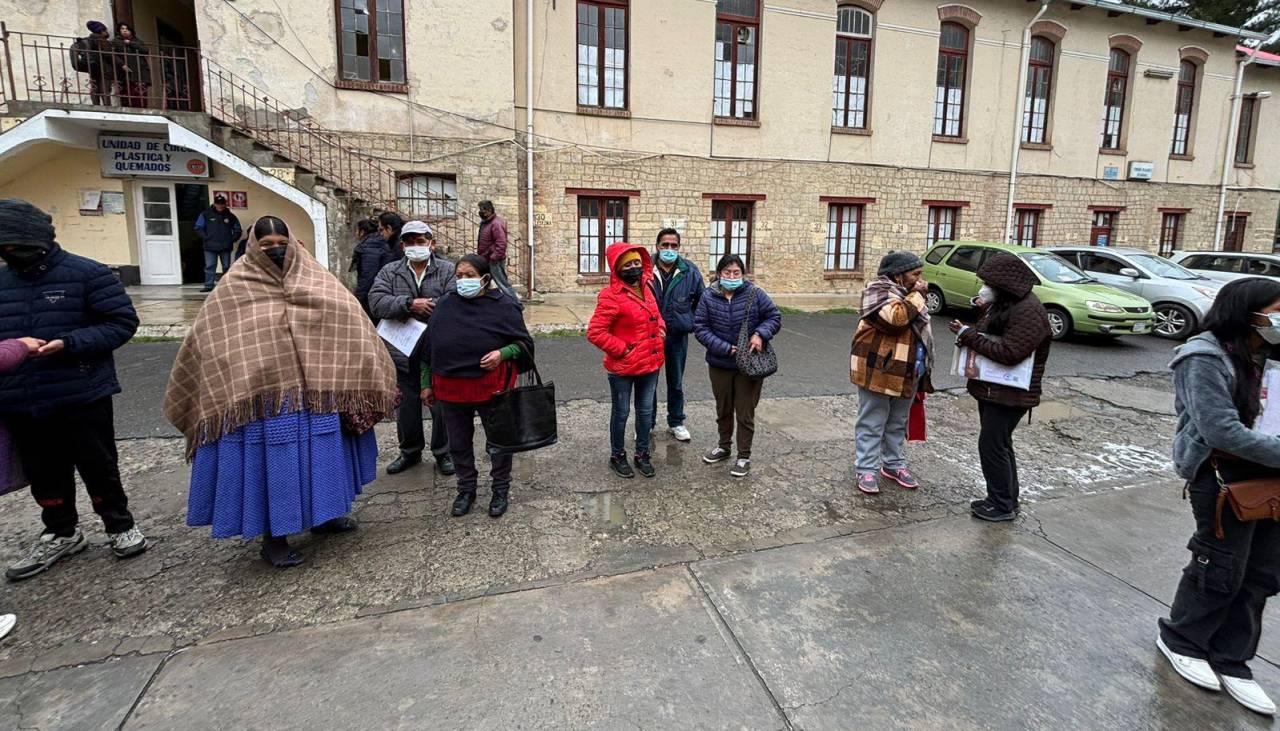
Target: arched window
{"x": 1114, "y": 99}
{"x": 1182, "y": 108}
{"x": 853, "y": 67}
{"x": 953, "y": 56}
{"x": 1035, "y": 110}
{"x": 737, "y": 41}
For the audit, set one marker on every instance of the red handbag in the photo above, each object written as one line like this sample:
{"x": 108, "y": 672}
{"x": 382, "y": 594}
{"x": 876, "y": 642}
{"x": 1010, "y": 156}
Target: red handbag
{"x": 917, "y": 430}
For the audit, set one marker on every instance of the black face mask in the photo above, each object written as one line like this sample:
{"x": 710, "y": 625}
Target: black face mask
{"x": 276, "y": 254}
{"x": 23, "y": 257}
{"x": 631, "y": 276}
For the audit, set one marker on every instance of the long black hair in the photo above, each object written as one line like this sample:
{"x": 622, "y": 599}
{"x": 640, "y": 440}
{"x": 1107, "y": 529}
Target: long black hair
{"x": 1231, "y": 322}
{"x": 477, "y": 262}
{"x": 270, "y": 226}
{"x": 393, "y": 221}
{"x": 366, "y": 227}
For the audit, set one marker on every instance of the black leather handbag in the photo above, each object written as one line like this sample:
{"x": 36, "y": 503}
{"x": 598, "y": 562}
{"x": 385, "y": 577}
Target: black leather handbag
{"x": 523, "y": 418}
{"x": 757, "y": 366}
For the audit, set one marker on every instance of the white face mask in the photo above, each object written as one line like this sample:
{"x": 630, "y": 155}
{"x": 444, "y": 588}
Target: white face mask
{"x": 1270, "y": 333}
{"x": 417, "y": 253}
{"x": 986, "y": 295}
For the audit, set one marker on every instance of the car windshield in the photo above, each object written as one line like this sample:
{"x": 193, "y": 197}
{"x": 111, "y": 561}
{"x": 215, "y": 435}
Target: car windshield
{"x": 1056, "y": 269}
{"x": 1162, "y": 267}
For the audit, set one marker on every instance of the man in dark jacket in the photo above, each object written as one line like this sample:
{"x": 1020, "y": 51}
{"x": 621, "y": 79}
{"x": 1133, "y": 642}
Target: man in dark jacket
{"x": 408, "y": 288}
{"x": 57, "y": 404}
{"x": 492, "y": 244}
{"x": 371, "y": 255}
{"x": 220, "y": 230}
{"x": 677, "y": 285}
{"x": 93, "y": 55}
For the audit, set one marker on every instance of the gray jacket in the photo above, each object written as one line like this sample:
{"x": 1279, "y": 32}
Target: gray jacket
{"x": 395, "y": 288}
{"x": 1203, "y": 378}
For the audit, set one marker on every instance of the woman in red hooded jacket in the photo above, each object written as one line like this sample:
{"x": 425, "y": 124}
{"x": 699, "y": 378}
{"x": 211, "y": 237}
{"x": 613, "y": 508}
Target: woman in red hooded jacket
{"x": 628, "y": 327}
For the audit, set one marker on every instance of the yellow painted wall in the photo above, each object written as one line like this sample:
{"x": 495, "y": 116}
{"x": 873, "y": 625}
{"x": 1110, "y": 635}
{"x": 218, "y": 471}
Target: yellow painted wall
{"x": 263, "y": 202}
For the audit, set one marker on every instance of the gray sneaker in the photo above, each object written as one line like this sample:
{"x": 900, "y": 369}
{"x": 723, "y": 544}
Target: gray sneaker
{"x": 47, "y": 551}
{"x": 741, "y": 468}
{"x": 716, "y": 455}
{"x": 128, "y": 544}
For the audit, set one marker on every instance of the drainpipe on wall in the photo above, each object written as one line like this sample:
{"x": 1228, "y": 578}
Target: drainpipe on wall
{"x": 1229, "y": 155}
{"x": 528, "y": 133}
{"x": 1019, "y": 106}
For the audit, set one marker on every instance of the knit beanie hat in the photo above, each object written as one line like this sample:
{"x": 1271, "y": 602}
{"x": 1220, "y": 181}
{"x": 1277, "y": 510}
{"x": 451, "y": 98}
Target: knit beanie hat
{"x": 898, "y": 262}
{"x": 628, "y": 257}
{"x": 23, "y": 224}
{"x": 96, "y": 26}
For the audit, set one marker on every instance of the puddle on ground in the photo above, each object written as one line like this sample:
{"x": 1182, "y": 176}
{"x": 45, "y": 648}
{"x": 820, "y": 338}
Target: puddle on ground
{"x": 675, "y": 454}
{"x": 1056, "y": 411}
{"x": 605, "y": 507}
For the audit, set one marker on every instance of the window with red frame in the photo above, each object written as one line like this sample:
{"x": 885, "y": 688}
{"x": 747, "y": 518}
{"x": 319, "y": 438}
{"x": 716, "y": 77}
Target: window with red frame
{"x": 1035, "y": 110}
{"x": 943, "y": 223}
{"x": 1026, "y": 232}
{"x": 953, "y": 58}
{"x": 1182, "y": 108}
{"x": 1170, "y": 232}
{"x": 602, "y": 54}
{"x": 737, "y": 46}
{"x": 601, "y": 221}
{"x": 844, "y": 237}
{"x": 731, "y": 230}
{"x": 853, "y": 68}
{"x": 1113, "y": 102}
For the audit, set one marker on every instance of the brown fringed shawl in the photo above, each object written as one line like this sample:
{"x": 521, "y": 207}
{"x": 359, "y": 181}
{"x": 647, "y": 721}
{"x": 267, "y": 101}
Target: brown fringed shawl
{"x": 268, "y": 339}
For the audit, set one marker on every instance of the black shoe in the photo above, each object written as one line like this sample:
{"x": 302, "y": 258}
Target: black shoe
{"x": 402, "y": 463}
{"x": 445, "y": 465}
{"x": 345, "y": 524}
{"x": 620, "y": 467}
{"x": 644, "y": 465}
{"x": 975, "y": 504}
{"x": 278, "y": 553}
{"x": 498, "y": 504}
{"x": 462, "y": 503}
{"x": 992, "y": 514}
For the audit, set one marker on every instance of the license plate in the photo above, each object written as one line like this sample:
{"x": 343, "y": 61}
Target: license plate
{"x": 1140, "y": 327}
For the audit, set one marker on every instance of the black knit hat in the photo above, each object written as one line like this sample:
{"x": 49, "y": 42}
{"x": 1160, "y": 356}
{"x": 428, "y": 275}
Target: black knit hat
{"x": 898, "y": 262}
{"x": 23, "y": 224}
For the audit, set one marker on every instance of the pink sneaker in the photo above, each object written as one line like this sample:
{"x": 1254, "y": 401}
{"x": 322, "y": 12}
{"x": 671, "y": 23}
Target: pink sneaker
{"x": 867, "y": 483}
{"x": 901, "y": 476}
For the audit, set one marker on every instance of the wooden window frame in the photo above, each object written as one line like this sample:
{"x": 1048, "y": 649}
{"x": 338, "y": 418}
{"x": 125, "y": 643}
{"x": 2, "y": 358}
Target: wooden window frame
{"x": 1112, "y": 214}
{"x": 851, "y": 41}
{"x": 600, "y": 7}
{"x": 1113, "y": 77}
{"x": 945, "y": 56}
{"x": 395, "y": 87}
{"x": 1019, "y": 227}
{"x": 860, "y": 214}
{"x": 1246, "y": 127}
{"x": 1228, "y": 228}
{"x": 1186, "y": 91}
{"x": 726, "y": 243}
{"x": 1170, "y": 231}
{"x": 601, "y": 217}
{"x": 933, "y": 224}
{"x": 735, "y": 22}
{"x": 1035, "y": 70}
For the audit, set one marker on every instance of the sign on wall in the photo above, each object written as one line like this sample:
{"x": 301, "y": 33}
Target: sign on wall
{"x": 235, "y": 198}
{"x": 1141, "y": 170}
{"x": 148, "y": 157}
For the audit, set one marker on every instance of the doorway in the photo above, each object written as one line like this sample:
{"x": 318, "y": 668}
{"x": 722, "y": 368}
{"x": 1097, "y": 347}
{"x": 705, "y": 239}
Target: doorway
{"x": 1103, "y": 224}
{"x": 1234, "y": 240}
{"x": 192, "y": 199}
{"x": 158, "y": 251}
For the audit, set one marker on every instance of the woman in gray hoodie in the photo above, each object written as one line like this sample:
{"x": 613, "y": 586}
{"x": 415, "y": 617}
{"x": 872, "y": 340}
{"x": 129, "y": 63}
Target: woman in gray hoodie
{"x": 1214, "y": 624}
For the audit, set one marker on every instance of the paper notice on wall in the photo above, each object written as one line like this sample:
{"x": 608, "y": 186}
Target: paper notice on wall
{"x": 403, "y": 336}
{"x": 1269, "y": 416}
{"x": 90, "y": 202}
{"x": 969, "y": 364}
{"x": 113, "y": 202}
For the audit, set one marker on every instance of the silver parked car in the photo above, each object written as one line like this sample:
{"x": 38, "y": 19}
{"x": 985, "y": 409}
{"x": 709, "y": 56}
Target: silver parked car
{"x": 1225, "y": 266}
{"x": 1179, "y": 296}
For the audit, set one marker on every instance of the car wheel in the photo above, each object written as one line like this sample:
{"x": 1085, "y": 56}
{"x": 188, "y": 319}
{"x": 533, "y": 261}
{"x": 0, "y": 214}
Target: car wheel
{"x": 1174, "y": 322}
{"x": 934, "y": 302}
{"x": 1059, "y": 322}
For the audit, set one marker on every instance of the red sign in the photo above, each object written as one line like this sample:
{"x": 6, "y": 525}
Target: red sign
{"x": 197, "y": 167}
{"x": 239, "y": 199}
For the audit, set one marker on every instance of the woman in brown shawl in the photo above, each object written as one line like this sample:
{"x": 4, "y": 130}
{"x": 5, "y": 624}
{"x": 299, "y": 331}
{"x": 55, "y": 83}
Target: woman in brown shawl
{"x": 276, "y": 388}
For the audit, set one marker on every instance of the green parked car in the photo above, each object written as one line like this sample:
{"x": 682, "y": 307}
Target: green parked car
{"x": 1075, "y": 301}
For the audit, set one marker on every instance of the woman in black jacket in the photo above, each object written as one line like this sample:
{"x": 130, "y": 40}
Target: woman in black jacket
{"x": 371, "y": 254}
{"x": 133, "y": 72}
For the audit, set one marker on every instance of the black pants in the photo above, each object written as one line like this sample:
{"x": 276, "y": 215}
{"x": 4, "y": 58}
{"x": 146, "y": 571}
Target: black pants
{"x": 460, "y": 420}
{"x": 995, "y": 451}
{"x": 54, "y": 446}
{"x": 1217, "y": 611}
{"x": 409, "y": 416}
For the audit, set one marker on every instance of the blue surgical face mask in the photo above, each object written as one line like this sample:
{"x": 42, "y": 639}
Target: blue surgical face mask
{"x": 668, "y": 256}
{"x": 730, "y": 284}
{"x": 470, "y": 287}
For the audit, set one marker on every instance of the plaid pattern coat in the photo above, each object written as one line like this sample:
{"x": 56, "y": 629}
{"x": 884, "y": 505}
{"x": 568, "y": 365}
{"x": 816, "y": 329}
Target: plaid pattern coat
{"x": 882, "y": 357}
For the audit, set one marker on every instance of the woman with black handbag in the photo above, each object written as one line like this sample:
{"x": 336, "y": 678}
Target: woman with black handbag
{"x": 735, "y": 321}
{"x": 477, "y": 345}
{"x": 1215, "y": 622}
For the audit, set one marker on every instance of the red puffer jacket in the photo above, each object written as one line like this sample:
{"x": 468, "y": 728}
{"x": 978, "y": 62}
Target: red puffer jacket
{"x": 624, "y": 319}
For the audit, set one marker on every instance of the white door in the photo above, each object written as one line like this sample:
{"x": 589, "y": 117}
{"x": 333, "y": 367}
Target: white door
{"x": 158, "y": 249}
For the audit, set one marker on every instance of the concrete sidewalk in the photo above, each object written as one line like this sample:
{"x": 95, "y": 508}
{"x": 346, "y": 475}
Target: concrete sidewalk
{"x": 946, "y": 623}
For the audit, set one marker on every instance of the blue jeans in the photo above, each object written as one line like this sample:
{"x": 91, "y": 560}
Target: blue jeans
{"x": 677, "y": 352}
{"x": 646, "y": 392}
{"x": 211, "y": 259}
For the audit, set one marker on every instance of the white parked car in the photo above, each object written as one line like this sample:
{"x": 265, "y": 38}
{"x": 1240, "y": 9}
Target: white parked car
{"x": 1225, "y": 266}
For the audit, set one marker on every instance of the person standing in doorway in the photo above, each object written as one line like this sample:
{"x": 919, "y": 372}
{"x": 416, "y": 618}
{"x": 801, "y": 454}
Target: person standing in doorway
{"x": 133, "y": 69}
{"x": 492, "y": 245}
{"x": 678, "y": 286}
{"x": 889, "y": 362}
{"x": 219, "y": 230}
{"x": 57, "y": 405}
{"x": 408, "y": 288}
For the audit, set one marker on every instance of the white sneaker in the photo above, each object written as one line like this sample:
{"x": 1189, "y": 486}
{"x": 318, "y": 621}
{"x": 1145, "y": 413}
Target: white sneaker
{"x": 129, "y": 543}
{"x": 1195, "y": 671}
{"x": 6, "y": 624}
{"x": 680, "y": 433}
{"x": 1249, "y": 694}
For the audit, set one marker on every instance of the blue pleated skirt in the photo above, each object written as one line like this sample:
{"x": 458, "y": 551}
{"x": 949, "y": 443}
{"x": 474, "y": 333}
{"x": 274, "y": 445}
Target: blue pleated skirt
{"x": 280, "y": 475}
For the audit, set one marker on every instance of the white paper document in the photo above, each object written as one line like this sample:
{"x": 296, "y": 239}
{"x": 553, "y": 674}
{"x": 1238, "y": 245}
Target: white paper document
{"x": 403, "y": 336}
{"x": 969, "y": 364}
{"x": 1269, "y": 417}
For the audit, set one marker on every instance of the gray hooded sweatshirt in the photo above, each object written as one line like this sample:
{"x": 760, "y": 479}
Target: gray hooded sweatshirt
{"x": 1203, "y": 378}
